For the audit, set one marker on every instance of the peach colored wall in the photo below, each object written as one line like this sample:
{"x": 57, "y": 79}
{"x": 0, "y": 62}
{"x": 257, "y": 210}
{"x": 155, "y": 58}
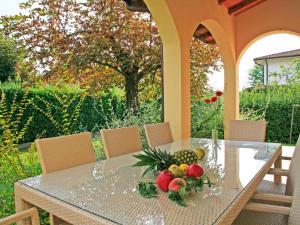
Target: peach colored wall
{"x": 174, "y": 98}
{"x": 177, "y": 21}
{"x": 187, "y": 15}
{"x": 276, "y": 16}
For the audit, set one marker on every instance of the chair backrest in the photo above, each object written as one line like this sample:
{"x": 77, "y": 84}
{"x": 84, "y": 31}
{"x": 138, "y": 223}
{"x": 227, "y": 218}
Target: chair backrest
{"x": 120, "y": 141}
{"x": 64, "y": 152}
{"x": 244, "y": 130}
{"x": 31, "y": 214}
{"x": 158, "y": 134}
{"x": 294, "y": 216}
{"x": 293, "y": 170}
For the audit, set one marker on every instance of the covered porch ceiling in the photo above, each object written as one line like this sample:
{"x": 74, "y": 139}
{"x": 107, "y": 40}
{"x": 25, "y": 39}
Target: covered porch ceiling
{"x": 234, "y": 7}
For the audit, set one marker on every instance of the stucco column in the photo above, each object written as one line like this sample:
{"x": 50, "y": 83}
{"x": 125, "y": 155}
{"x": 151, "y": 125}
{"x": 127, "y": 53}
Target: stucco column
{"x": 176, "y": 71}
{"x": 177, "y": 90}
{"x": 231, "y": 94}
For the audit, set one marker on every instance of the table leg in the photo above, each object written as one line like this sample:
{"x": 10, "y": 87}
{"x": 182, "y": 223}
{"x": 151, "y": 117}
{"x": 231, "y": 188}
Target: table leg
{"x": 21, "y": 205}
{"x": 55, "y": 220}
{"x": 278, "y": 165}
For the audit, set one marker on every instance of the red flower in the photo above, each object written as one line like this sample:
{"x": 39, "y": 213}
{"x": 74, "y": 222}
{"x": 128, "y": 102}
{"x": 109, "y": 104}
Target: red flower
{"x": 213, "y": 99}
{"x": 219, "y": 93}
{"x": 207, "y": 101}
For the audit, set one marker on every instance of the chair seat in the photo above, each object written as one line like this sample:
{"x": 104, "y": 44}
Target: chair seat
{"x": 270, "y": 187}
{"x": 259, "y": 218}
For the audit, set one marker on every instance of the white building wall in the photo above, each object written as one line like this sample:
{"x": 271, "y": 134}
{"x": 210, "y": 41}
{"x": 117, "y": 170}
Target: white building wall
{"x": 275, "y": 66}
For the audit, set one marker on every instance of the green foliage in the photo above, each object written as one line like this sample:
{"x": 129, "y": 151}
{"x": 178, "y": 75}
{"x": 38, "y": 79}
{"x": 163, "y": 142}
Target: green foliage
{"x": 149, "y": 112}
{"x": 13, "y": 165}
{"x": 58, "y": 111}
{"x": 207, "y": 117}
{"x": 8, "y": 59}
{"x": 256, "y": 75}
{"x": 13, "y": 127}
{"x": 274, "y": 103}
{"x": 147, "y": 189}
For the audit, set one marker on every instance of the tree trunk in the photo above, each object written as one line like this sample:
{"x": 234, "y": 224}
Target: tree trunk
{"x": 131, "y": 89}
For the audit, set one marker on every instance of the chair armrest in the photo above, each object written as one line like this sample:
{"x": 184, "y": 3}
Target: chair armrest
{"x": 272, "y": 197}
{"x": 278, "y": 172}
{"x": 285, "y": 158}
{"x": 26, "y": 214}
{"x": 259, "y": 207}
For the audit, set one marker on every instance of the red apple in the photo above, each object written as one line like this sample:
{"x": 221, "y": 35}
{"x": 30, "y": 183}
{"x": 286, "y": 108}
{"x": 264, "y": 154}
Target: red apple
{"x": 176, "y": 183}
{"x": 163, "y": 180}
{"x": 194, "y": 170}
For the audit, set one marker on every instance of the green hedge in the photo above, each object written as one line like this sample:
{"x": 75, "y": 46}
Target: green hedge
{"x": 276, "y": 102}
{"x": 95, "y": 112}
{"x": 106, "y": 109}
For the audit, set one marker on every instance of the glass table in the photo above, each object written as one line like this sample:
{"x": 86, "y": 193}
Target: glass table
{"x": 105, "y": 192}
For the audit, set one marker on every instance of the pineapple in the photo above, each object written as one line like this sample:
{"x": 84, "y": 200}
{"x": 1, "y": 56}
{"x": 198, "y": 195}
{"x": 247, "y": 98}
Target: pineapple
{"x": 185, "y": 157}
{"x": 156, "y": 160}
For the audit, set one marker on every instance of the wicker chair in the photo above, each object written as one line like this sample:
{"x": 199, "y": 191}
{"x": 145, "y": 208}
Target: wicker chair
{"x": 243, "y": 130}
{"x": 285, "y": 199}
{"x": 76, "y": 148}
{"x": 31, "y": 214}
{"x": 121, "y": 141}
{"x": 53, "y": 152}
{"x": 158, "y": 134}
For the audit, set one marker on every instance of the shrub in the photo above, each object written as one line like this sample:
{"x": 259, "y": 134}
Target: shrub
{"x": 206, "y": 117}
{"x": 8, "y": 59}
{"x": 275, "y": 105}
{"x": 66, "y": 110}
{"x": 13, "y": 165}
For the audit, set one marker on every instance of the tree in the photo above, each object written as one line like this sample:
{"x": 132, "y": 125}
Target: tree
{"x": 8, "y": 59}
{"x": 256, "y": 75}
{"x": 205, "y": 59}
{"x": 73, "y": 40}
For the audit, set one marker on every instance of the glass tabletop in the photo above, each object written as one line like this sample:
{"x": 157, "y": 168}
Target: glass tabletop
{"x": 108, "y": 188}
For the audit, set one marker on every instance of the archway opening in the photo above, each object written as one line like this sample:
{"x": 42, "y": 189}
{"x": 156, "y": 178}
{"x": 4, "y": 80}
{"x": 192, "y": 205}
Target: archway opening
{"x": 207, "y": 84}
{"x": 266, "y": 57}
{"x": 269, "y": 68}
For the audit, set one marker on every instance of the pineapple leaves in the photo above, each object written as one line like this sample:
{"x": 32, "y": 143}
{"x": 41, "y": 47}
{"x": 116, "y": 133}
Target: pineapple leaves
{"x": 155, "y": 159}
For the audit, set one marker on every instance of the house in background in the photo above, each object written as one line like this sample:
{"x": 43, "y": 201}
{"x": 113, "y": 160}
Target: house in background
{"x": 274, "y": 63}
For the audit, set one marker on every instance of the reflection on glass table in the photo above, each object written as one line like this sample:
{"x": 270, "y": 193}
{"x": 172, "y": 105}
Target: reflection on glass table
{"x": 108, "y": 188}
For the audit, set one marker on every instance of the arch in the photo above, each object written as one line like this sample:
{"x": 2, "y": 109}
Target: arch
{"x": 176, "y": 96}
{"x": 226, "y": 48}
{"x": 260, "y": 36}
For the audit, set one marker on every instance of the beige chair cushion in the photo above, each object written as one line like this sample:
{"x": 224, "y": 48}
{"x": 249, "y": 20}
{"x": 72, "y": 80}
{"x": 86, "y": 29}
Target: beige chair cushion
{"x": 294, "y": 169}
{"x": 158, "y": 134}
{"x": 64, "y": 152}
{"x": 294, "y": 217}
{"x": 243, "y": 130}
{"x": 270, "y": 187}
{"x": 121, "y": 141}
{"x": 259, "y": 218}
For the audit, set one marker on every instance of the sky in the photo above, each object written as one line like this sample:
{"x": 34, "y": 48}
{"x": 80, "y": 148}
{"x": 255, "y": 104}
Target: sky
{"x": 268, "y": 45}
{"x": 9, "y": 7}
{"x": 271, "y": 44}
